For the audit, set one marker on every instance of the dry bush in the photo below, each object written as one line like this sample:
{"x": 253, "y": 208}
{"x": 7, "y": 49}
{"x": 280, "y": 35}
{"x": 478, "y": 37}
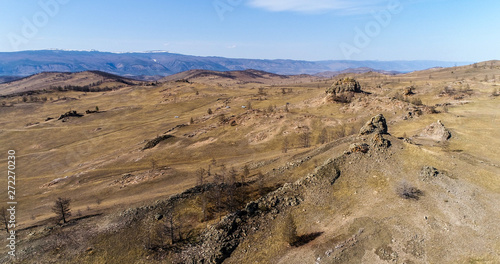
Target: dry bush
{"x": 407, "y": 191}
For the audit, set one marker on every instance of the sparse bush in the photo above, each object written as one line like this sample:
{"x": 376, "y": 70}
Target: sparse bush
{"x": 209, "y": 111}
{"x": 445, "y": 109}
{"x": 222, "y": 118}
{"x": 495, "y": 92}
{"x": 406, "y": 191}
{"x": 262, "y": 91}
{"x": 340, "y": 131}
{"x": 416, "y": 101}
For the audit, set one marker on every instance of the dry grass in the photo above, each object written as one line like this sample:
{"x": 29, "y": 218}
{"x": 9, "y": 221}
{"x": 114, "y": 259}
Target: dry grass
{"x": 96, "y": 150}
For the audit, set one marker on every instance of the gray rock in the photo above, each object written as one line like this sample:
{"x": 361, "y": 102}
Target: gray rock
{"x": 436, "y": 131}
{"x": 428, "y": 173}
{"x": 377, "y": 124}
{"x": 346, "y": 85}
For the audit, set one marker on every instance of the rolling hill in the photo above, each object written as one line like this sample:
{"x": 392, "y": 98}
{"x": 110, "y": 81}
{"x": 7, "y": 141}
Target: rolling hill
{"x": 227, "y": 167}
{"x": 50, "y": 80}
{"x": 25, "y": 63}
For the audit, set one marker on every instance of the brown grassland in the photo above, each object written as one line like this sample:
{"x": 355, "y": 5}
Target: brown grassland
{"x": 100, "y": 163}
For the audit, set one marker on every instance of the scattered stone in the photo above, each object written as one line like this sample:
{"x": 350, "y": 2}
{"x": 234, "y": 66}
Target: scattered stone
{"x": 359, "y": 147}
{"x": 379, "y": 141}
{"x": 377, "y": 125}
{"x": 412, "y": 113}
{"x": 428, "y": 173}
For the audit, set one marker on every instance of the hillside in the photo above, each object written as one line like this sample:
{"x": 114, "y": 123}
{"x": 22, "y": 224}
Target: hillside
{"x": 252, "y": 167}
{"x": 329, "y": 74}
{"x": 236, "y": 77}
{"x": 25, "y": 63}
{"x": 51, "y": 80}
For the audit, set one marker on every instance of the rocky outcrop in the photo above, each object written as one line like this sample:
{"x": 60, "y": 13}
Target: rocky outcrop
{"x": 379, "y": 142}
{"x": 346, "y": 85}
{"x": 436, "y": 131}
{"x": 359, "y": 147}
{"x": 156, "y": 141}
{"x": 218, "y": 242}
{"x": 428, "y": 173}
{"x": 376, "y": 125}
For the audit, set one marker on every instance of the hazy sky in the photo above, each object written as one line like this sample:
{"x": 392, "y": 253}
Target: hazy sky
{"x": 458, "y": 30}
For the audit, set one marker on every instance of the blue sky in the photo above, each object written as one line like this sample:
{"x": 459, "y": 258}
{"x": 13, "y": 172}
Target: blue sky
{"x": 458, "y": 30}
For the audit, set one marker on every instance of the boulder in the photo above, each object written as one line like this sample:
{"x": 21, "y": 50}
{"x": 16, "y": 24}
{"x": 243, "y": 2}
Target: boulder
{"x": 376, "y": 125}
{"x": 436, "y": 131}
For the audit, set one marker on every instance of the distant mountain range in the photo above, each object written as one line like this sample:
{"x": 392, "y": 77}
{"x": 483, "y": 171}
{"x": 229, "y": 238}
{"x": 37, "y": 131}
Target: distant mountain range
{"x": 136, "y": 64}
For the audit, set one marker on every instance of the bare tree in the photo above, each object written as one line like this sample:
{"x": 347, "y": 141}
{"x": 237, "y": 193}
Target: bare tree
{"x": 289, "y": 230}
{"x": 260, "y": 183}
{"x": 305, "y": 139}
{"x": 169, "y": 226}
{"x": 223, "y": 173}
{"x": 244, "y": 174}
{"x": 204, "y": 202}
{"x": 154, "y": 165}
{"x": 62, "y": 209}
{"x": 323, "y": 136}
{"x": 231, "y": 190}
{"x": 200, "y": 175}
{"x": 285, "y": 145}
{"x": 218, "y": 192}
{"x": 5, "y": 219}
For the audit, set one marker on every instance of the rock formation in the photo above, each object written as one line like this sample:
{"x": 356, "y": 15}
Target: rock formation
{"x": 436, "y": 131}
{"x": 376, "y": 125}
{"x": 346, "y": 85}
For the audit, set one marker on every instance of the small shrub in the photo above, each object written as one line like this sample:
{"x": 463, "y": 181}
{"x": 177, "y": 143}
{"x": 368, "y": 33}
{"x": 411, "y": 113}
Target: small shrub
{"x": 406, "y": 191}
